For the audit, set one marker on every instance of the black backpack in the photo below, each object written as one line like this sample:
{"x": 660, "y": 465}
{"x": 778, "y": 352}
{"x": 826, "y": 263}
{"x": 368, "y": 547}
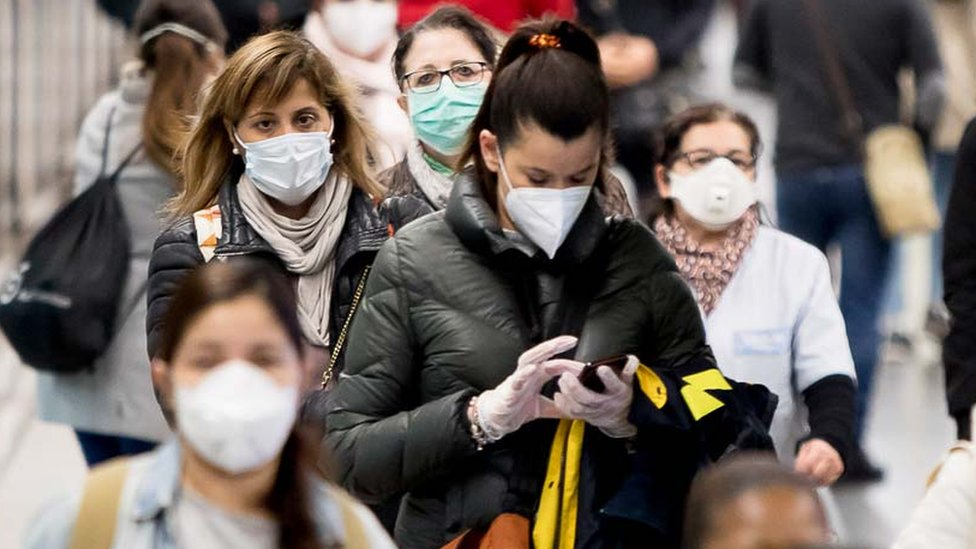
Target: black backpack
{"x": 59, "y": 308}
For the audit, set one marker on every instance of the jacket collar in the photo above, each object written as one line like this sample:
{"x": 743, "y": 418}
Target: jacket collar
{"x": 477, "y": 225}
{"x": 159, "y": 486}
{"x": 364, "y": 230}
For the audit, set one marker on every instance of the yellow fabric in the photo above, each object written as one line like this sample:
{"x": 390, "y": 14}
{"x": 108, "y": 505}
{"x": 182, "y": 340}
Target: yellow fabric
{"x": 99, "y": 510}
{"x": 696, "y": 396}
{"x": 652, "y": 386}
{"x": 555, "y": 521}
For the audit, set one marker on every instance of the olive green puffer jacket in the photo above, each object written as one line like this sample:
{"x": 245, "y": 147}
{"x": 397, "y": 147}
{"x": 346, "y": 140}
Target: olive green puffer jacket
{"x": 449, "y": 306}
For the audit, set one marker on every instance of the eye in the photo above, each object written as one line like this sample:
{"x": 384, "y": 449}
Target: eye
{"x": 306, "y": 119}
{"x": 463, "y": 71}
{"x": 264, "y": 124}
{"x": 538, "y": 180}
{"x": 426, "y": 79}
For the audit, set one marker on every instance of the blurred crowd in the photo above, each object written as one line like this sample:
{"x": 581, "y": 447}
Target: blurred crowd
{"x": 381, "y": 273}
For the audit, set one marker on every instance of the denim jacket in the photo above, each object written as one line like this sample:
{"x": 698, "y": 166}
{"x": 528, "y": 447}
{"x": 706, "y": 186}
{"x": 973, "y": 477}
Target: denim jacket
{"x": 149, "y": 494}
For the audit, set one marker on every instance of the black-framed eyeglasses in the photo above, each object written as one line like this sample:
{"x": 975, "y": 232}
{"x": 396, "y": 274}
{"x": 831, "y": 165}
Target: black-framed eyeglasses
{"x": 463, "y": 75}
{"x": 700, "y": 158}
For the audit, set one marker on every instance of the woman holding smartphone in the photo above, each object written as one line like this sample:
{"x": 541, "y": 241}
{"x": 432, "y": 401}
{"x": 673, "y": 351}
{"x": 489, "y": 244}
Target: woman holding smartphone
{"x": 467, "y": 310}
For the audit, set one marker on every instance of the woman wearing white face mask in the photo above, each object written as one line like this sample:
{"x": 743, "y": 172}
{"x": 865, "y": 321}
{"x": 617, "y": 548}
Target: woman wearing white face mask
{"x": 359, "y": 37}
{"x": 276, "y": 168}
{"x": 468, "y": 308}
{"x": 444, "y": 65}
{"x": 239, "y": 473}
{"x": 770, "y": 312}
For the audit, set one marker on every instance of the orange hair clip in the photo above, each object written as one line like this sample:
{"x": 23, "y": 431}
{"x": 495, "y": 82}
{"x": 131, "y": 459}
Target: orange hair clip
{"x": 545, "y": 40}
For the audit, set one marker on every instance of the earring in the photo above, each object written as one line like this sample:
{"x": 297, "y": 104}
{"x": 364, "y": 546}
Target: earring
{"x": 236, "y": 151}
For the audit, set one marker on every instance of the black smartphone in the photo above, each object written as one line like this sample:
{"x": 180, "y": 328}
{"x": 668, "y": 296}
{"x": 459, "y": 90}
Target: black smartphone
{"x": 588, "y": 376}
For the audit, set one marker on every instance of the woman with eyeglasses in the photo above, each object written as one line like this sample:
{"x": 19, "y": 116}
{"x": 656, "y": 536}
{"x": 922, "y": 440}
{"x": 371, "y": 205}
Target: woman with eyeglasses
{"x": 770, "y": 313}
{"x": 444, "y": 64}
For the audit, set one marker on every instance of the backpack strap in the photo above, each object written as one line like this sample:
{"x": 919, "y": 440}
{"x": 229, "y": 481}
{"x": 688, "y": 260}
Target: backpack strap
{"x": 98, "y": 514}
{"x": 355, "y": 530}
{"x": 108, "y": 134}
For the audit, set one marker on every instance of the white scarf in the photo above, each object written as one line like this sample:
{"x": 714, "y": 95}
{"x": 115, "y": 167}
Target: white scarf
{"x": 306, "y": 246}
{"x": 435, "y": 186}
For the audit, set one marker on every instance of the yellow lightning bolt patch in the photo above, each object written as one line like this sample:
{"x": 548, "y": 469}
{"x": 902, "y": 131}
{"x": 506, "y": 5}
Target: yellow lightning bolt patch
{"x": 696, "y": 396}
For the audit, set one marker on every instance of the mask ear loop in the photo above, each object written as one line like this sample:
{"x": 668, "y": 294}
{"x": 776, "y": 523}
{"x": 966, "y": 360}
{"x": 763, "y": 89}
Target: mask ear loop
{"x": 501, "y": 168}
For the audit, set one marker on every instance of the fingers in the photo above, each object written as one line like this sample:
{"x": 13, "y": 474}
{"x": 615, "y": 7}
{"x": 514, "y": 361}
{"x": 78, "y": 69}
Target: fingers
{"x": 614, "y": 384}
{"x": 549, "y": 410}
{"x": 570, "y": 386}
{"x": 547, "y": 350}
{"x": 560, "y": 366}
{"x": 819, "y": 461}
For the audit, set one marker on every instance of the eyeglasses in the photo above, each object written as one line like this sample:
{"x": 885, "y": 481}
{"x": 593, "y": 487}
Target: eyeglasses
{"x": 463, "y": 75}
{"x": 700, "y": 158}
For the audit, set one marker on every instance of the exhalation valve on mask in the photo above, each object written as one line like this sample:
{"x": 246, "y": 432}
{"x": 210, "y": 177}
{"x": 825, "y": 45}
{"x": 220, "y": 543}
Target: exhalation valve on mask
{"x": 716, "y": 196}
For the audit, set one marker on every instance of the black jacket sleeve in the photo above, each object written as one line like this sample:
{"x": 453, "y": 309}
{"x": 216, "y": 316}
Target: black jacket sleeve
{"x": 959, "y": 275}
{"x": 381, "y": 447}
{"x": 174, "y": 255}
{"x": 831, "y": 405}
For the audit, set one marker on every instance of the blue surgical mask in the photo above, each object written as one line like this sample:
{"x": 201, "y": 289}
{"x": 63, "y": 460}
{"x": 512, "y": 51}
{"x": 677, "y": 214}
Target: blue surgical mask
{"x": 442, "y": 119}
{"x": 290, "y": 167}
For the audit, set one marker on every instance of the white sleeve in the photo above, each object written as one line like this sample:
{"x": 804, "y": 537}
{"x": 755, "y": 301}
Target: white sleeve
{"x": 54, "y": 524}
{"x": 820, "y": 346}
{"x": 945, "y": 516}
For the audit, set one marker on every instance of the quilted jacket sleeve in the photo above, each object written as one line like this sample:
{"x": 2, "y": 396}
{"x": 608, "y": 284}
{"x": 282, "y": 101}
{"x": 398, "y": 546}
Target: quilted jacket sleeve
{"x": 381, "y": 441}
{"x": 174, "y": 255}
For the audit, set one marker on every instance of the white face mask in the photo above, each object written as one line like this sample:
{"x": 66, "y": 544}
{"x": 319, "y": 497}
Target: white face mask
{"x": 289, "y": 167}
{"x": 237, "y": 417}
{"x": 544, "y": 216}
{"x": 716, "y": 196}
{"x": 361, "y": 27}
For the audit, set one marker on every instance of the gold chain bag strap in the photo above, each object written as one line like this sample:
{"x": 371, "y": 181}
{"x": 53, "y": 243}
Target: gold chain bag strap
{"x": 344, "y": 332}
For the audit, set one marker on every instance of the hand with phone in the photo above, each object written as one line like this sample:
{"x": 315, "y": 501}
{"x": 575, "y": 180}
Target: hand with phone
{"x": 600, "y": 394}
{"x": 518, "y": 399}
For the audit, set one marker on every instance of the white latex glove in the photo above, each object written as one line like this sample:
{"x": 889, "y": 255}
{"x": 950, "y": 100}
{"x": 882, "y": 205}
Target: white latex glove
{"x": 517, "y": 400}
{"x": 607, "y": 410}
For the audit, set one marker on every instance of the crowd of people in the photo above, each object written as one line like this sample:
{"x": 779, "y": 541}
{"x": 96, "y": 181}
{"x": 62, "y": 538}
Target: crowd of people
{"x": 494, "y": 274}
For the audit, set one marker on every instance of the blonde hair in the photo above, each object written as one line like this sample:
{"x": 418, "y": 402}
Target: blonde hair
{"x": 266, "y": 69}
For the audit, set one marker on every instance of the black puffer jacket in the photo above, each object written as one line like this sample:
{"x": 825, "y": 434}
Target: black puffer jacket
{"x": 405, "y": 201}
{"x": 176, "y": 253}
{"x": 449, "y": 306}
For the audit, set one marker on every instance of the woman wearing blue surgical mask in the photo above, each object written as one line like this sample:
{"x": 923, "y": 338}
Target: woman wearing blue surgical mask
{"x": 454, "y": 378}
{"x": 444, "y": 65}
{"x": 276, "y": 167}
{"x": 238, "y": 473}
{"x": 767, "y": 300}
{"x": 359, "y": 37}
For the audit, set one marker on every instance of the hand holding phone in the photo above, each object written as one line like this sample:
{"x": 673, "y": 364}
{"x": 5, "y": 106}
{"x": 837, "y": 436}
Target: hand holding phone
{"x": 589, "y": 378}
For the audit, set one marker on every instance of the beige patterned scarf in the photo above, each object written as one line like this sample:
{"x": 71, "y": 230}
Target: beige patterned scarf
{"x": 306, "y": 246}
{"x": 708, "y": 271}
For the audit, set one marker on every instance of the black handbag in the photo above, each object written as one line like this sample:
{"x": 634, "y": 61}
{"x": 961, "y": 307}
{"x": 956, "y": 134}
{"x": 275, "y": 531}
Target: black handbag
{"x": 59, "y": 308}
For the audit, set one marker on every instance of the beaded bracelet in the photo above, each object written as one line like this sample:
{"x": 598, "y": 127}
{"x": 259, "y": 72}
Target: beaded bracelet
{"x": 477, "y": 434}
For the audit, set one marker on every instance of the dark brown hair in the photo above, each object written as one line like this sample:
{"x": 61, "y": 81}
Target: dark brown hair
{"x": 548, "y": 74}
{"x": 180, "y": 66}
{"x": 675, "y": 128}
{"x": 726, "y": 482}
{"x": 219, "y": 282}
{"x": 447, "y": 17}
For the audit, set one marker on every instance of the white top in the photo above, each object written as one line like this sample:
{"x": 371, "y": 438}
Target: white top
{"x": 778, "y": 324}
